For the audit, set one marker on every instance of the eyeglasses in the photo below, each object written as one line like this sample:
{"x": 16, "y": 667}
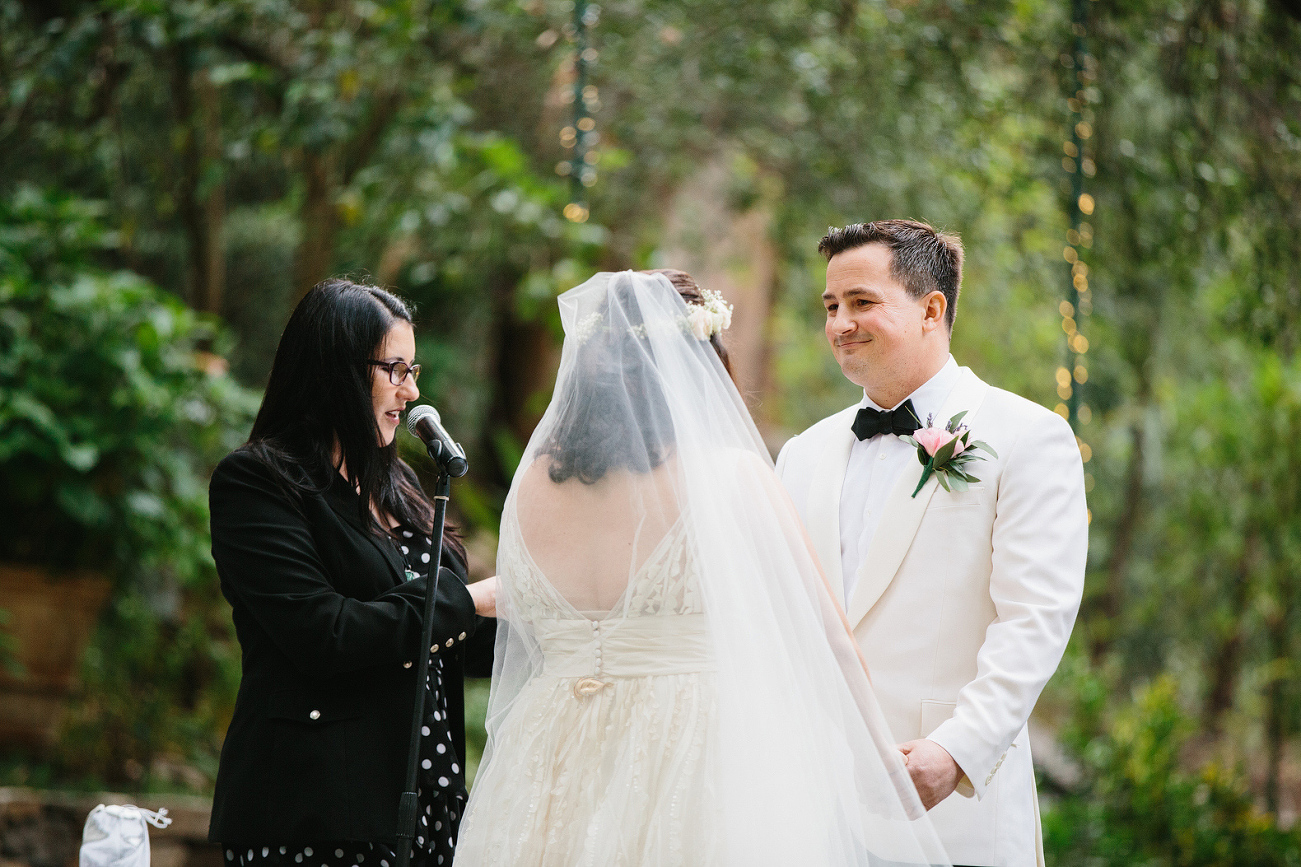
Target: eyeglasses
{"x": 398, "y": 371}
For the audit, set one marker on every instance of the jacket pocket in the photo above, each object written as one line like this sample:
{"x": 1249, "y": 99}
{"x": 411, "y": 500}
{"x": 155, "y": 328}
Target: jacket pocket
{"x": 933, "y": 715}
{"x": 972, "y": 496}
{"x": 290, "y": 704}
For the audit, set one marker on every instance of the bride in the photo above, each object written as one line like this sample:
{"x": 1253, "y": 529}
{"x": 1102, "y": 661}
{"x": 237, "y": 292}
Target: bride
{"x": 673, "y": 683}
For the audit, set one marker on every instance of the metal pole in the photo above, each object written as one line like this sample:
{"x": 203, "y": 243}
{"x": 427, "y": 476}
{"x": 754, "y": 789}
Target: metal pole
{"x": 408, "y": 806}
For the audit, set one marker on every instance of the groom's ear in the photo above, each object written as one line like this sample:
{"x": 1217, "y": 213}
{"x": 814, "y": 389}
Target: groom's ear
{"x": 934, "y": 306}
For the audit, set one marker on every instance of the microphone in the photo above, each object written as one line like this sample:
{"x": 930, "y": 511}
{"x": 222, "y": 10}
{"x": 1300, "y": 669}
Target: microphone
{"x": 423, "y": 422}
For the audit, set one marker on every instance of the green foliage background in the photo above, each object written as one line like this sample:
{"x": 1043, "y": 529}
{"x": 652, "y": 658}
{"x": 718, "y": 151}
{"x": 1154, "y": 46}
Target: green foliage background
{"x": 229, "y": 154}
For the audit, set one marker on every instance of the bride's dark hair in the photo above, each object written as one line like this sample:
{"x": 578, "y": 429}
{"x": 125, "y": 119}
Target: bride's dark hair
{"x": 619, "y": 417}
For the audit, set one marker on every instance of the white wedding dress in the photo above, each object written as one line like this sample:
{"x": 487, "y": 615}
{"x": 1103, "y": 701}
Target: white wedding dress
{"x": 609, "y": 744}
{"x": 673, "y": 683}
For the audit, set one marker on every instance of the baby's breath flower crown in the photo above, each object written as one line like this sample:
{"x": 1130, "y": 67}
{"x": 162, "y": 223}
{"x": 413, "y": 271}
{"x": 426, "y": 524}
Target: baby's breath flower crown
{"x": 711, "y": 316}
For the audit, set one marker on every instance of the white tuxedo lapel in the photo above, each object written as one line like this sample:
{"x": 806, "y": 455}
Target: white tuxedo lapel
{"x": 903, "y": 512}
{"x": 823, "y": 507}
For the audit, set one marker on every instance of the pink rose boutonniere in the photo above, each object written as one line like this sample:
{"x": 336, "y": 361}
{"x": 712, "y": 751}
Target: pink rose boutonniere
{"x": 944, "y": 452}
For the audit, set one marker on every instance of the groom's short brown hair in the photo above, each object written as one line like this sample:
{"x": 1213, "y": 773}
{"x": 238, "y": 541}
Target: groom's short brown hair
{"x": 921, "y": 258}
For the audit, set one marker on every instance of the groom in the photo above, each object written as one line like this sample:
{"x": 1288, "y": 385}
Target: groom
{"x": 962, "y": 601}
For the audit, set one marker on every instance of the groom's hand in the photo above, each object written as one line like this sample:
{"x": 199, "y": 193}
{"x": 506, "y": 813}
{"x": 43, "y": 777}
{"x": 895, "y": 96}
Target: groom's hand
{"x": 933, "y": 770}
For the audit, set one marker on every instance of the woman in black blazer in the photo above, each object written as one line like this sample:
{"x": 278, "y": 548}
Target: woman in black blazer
{"x": 321, "y": 538}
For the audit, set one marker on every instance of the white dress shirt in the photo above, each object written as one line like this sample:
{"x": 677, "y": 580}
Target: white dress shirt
{"x": 874, "y": 468}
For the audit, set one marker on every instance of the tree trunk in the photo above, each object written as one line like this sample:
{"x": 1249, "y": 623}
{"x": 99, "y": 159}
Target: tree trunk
{"x": 324, "y": 174}
{"x": 315, "y": 254}
{"x": 200, "y": 197}
{"x": 211, "y": 255}
{"x": 523, "y": 366}
{"x": 1113, "y": 599}
{"x": 846, "y": 15}
{"x": 1226, "y": 662}
{"x": 187, "y": 193}
{"x": 728, "y": 250}
{"x": 1277, "y": 694}
{"x": 1291, "y": 7}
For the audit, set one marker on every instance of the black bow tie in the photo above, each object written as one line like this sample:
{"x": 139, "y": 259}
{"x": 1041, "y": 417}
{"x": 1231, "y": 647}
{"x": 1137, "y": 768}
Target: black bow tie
{"x": 902, "y": 420}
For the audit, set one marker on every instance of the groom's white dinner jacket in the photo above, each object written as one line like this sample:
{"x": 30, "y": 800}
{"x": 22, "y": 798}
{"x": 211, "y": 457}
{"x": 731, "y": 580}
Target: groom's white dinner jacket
{"x": 963, "y": 602}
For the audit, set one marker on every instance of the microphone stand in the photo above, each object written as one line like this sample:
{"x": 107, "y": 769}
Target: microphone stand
{"x": 408, "y": 807}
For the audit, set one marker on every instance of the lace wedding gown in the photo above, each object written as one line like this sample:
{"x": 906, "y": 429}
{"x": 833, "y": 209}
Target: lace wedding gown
{"x": 610, "y": 744}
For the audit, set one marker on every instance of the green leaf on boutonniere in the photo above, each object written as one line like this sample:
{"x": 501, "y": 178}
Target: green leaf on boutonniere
{"x": 953, "y": 422}
{"x": 922, "y": 457}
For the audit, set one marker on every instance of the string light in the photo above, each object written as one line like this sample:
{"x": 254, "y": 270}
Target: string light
{"x": 581, "y": 138}
{"x": 1078, "y": 304}
{"x": 1085, "y": 452}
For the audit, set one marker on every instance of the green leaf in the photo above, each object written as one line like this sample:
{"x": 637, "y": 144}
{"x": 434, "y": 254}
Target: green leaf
{"x": 146, "y": 505}
{"x": 958, "y": 481}
{"x": 81, "y": 457}
{"x": 953, "y": 422}
{"x": 922, "y": 457}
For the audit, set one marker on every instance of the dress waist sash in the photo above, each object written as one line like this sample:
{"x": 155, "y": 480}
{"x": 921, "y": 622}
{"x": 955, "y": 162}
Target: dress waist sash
{"x": 630, "y": 647}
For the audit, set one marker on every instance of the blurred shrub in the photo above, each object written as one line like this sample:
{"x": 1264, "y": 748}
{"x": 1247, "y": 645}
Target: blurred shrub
{"x": 114, "y": 406}
{"x": 1138, "y": 805}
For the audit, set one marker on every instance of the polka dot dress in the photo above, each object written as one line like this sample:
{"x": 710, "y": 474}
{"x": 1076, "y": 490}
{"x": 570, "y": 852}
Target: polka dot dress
{"x": 441, "y": 793}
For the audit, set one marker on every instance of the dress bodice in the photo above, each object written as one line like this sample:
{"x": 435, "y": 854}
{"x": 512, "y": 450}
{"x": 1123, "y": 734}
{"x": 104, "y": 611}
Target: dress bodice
{"x": 657, "y": 626}
{"x": 667, "y": 583}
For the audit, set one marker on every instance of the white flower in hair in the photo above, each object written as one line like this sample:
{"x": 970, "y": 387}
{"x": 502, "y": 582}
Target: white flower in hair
{"x": 586, "y": 327}
{"x": 701, "y": 321}
{"x": 712, "y": 315}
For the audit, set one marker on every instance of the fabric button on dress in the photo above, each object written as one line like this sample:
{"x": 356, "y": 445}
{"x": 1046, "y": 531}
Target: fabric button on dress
{"x": 316, "y": 714}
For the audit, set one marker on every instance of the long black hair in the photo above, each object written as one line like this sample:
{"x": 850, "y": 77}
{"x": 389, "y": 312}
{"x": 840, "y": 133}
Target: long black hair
{"x": 319, "y": 396}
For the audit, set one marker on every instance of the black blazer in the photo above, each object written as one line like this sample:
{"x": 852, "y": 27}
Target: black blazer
{"x": 329, "y": 628}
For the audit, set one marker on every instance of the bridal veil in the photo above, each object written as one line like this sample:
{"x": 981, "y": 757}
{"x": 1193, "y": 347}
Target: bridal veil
{"x": 646, "y": 536}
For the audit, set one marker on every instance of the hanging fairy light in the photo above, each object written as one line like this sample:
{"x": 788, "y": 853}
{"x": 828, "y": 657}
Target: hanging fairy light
{"x": 1078, "y": 304}
{"x": 580, "y": 138}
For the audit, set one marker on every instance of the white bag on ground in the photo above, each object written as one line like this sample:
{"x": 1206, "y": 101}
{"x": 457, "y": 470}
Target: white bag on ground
{"x": 116, "y": 835}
